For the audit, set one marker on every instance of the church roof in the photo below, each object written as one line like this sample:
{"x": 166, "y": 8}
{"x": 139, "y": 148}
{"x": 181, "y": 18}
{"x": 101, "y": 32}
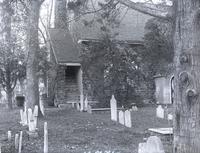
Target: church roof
{"x": 131, "y": 28}
{"x": 64, "y": 48}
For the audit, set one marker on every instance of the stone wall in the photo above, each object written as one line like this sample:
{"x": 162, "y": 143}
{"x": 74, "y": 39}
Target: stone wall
{"x": 66, "y": 86}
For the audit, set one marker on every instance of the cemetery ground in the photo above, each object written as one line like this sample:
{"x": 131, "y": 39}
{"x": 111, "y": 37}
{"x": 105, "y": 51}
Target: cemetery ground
{"x": 71, "y": 131}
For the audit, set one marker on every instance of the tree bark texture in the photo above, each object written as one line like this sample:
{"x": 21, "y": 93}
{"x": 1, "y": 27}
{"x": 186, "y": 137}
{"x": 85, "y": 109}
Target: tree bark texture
{"x": 32, "y": 90}
{"x": 187, "y": 78}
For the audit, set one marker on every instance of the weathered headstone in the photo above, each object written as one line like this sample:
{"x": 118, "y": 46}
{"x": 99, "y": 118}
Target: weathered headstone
{"x": 89, "y": 110}
{"x": 45, "y": 138}
{"x": 113, "y": 107}
{"x": 16, "y": 141}
{"x": 35, "y": 115}
{"x": 30, "y": 115}
{"x": 170, "y": 117}
{"x": 86, "y": 104}
{"x": 160, "y": 112}
{"x": 21, "y": 116}
{"x": 134, "y": 108}
{"x": 142, "y": 148}
{"x": 35, "y": 111}
{"x": 121, "y": 117}
{"x": 128, "y": 122}
{"x": 77, "y": 106}
{"x": 153, "y": 145}
{"x": 9, "y": 135}
{"x": 20, "y": 142}
{"x": 41, "y": 105}
{"x": 73, "y": 105}
{"x": 81, "y": 102}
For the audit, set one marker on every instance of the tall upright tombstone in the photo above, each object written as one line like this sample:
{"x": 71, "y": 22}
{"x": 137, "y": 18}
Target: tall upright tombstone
{"x": 45, "y": 138}
{"x": 160, "y": 112}
{"x": 86, "y": 104}
{"x": 35, "y": 115}
{"x": 20, "y": 142}
{"x": 113, "y": 107}
{"x": 81, "y": 102}
{"x": 128, "y": 122}
{"x": 121, "y": 117}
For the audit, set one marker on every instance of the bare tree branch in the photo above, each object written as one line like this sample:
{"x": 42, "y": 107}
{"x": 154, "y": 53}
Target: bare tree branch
{"x": 158, "y": 11}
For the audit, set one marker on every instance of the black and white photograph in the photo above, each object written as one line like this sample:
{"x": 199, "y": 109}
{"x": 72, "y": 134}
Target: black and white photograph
{"x": 99, "y": 76}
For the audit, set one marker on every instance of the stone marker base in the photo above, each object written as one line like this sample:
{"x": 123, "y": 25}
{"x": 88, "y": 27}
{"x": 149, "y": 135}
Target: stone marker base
{"x": 32, "y": 134}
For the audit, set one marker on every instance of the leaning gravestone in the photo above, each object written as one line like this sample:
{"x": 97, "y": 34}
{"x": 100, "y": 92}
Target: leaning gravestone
{"x": 127, "y": 117}
{"x": 113, "y": 107}
{"x": 121, "y": 117}
{"x": 160, "y": 112}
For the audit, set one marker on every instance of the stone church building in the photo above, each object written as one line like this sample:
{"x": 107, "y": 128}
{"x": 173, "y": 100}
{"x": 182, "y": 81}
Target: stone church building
{"x": 65, "y": 51}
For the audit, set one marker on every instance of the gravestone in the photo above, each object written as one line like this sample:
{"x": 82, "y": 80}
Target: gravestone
{"x": 154, "y": 145}
{"x": 77, "y": 106}
{"x": 142, "y": 148}
{"x": 45, "y": 138}
{"x": 9, "y": 135}
{"x": 160, "y": 112}
{"x": 41, "y": 105}
{"x": 89, "y": 110}
{"x": 86, "y": 104}
{"x": 21, "y": 116}
{"x": 31, "y": 124}
{"x": 128, "y": 122}
{"x": 121, "y": 117}
{"x": 170, "y": 117}
{"x": 16, "y": 141}
{"x": 73, "y": 105}
{"x": 113, "y": 107}
{"x": 35, "y": 115}
{"x": 20, "y": 142}
{"x": 35, "y": 112}
{"x": 134, "y": 108}
{"x": 82, "y": 103}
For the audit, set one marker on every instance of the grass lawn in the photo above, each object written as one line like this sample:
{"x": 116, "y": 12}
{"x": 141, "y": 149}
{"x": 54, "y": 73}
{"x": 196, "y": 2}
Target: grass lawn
{"x": 71, "y": 131}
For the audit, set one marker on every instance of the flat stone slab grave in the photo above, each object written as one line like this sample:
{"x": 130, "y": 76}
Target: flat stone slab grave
{"x": 164, "y": 131}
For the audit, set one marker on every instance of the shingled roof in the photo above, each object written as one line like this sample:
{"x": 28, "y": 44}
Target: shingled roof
{"x": 64, "y": 48}
{"x": 131, "y": 29}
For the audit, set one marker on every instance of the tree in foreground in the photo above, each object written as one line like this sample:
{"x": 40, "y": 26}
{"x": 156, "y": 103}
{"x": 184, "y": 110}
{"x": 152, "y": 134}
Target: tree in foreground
{"x": 32, "y": 74}
{"x": 185, "y": 16}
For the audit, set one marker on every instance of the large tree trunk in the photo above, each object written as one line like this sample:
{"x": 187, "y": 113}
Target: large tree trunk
{"x": 9, "y": 95}
{"x": 32, "y": 90}
{"x": 187, "y": 78}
